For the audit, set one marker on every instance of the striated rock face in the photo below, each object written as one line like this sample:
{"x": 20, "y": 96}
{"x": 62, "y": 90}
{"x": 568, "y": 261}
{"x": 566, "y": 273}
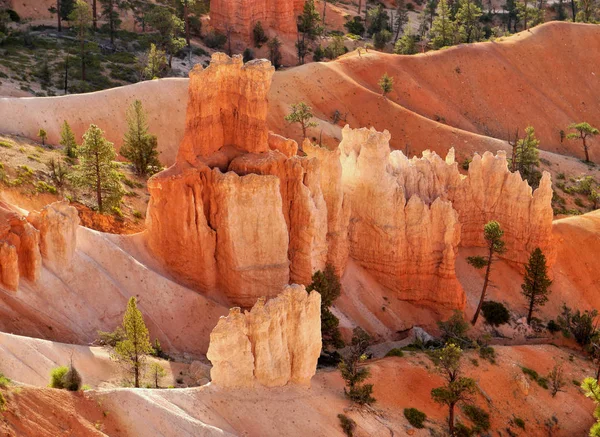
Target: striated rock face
{"x": 240, "y": 215}
{"x": 57, "y": 224}
{"x": 278, "y": 17}
{"x": 19, "y": 248}
{"x": 492, "y": 192}
{"x": 408, "y": 245}
{"x": 276, "y": 343}
{"x": 227, "y": 107}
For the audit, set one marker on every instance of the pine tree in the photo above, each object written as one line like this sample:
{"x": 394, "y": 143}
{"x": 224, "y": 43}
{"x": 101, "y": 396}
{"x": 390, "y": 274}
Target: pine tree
{"x": 536, "y": 282}
{"x": 132, "y": 351}
{"x": 443, "y": 28}
{"x": 592, "y": 390}
{"x": 43, "y": 135}
{"x": 81, "y": 19}
{"x": 308, "y": 29}
{"x": 139, "y": 146}
{"x": 275, "y": 52}
{"x": 110, "y": 12}
{"x": 495, "y": 245}
{"x": 386, "y": 83}
{"x": 467, "y": 17}
{"x": 401, "y": 18}
{"x": 327, "y": 284}
{"x": 67, "y": 140}
{"x": 527, "y": 156}
{"x": 584, "y": 130}
{"x": 96, "y": 172}
{"x": 301, "y": 114}
{"x": 353, "y": 373}
{"x": 157, "y": 372}
{"x": 458, "y": 389}
{"x": 406, "y": 45}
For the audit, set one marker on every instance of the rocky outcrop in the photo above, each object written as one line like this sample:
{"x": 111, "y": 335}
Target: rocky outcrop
{"x": 57, "y": 224}
{"x": 409, "y": 245}
{"x": 49, "y": 235}
{"x": 492, "y": 192}
{"x": 19, "y": 248}
{"x": 238, "y": 17}
{"x": 275, "y": 343}
{"x": 240, "y": 215}
{"x": 227, "y": 107}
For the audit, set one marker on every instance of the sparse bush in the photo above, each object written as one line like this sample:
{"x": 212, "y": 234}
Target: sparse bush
{"x": 552, "y": 326}
{"x": 72, "y": 380}
{"x": 415, "y": 417}
{"x": 57, "y": 376}
{"x": 259, "y": 35}
{"x": 215, "y": 40}
{"x": 248, "y": 55}
{"x": 479, "y": 417}
{"x": 519, "y": 422}
{"x": 395, "y": 353}
{"x": 355, "y": 26}
{"x": 455, "y": 329}
{"x": 540, "y": 380}
{"x": 43, "y": 187}
{"x": 495, "y": 313}
{"x": 2, "y": 402}
{"x": 348, "y": 425}
{"x": 581, "y": 325}
{"x": 488, "y": 353}
{"x": 111, "y": 338}
{"x": 4, "y": 381}
{"x": 556, "y": 379}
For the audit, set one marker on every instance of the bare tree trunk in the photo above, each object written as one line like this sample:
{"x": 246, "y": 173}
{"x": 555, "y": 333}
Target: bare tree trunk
{"x": 83, "y": 57}
{"x": 485, "y": 285}
{"x": 66, "y": 73}
{"x": 187, "y": 22}
{"x": 324, "y": 10}
{"x": 585, "y": 149}
{"x": 94, "y": 15}
{"x": 360, "y": 6}
{"x": 451, "y": 419}
{"x": 573, "y": 9}
{"x": 98, "y": 185}
{"x": 58, "y": 15}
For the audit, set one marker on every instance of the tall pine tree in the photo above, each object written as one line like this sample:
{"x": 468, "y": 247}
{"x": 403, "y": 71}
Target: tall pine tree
{"x": 67, "y": 140}
{"x": 327, "y": 283}
{"x": 96, "y": 172}
{"x": 139, "y": 146}
{"x": 536, "y": 282}
{"x": 132, "y": 351}
{"x": 443, "y": 28}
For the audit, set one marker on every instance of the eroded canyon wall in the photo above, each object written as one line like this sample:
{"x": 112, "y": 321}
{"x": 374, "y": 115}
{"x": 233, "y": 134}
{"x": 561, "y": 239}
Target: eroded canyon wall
{"x": 241, "y": 214}
{"x": 273, "y": 344}
{"x": 238, "y": 17}
{"x": 48, "y": 236}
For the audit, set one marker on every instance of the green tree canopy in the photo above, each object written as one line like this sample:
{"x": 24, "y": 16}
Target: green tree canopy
{"x": 139, "y": 146}
{"x": 443, "y": 29}
{"x": 301, "y": 114}
{"x": 583, "y": 131}
{"x": 67, "y": 140}
{"x": 96, "y": 172}
{"x": 536, "y": 283}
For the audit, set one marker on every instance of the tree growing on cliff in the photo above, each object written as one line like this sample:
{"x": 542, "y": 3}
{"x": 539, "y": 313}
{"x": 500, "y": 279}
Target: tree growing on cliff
{"x": 67, "y": 140}
{"x": 406, "y": 45}
{"x": 301, "y": 114}
{"x": 152, "y": 64}
{"x": 275, "y": 52}
{"x": 583, "y": 131}
{"x": 492, "y": 233}
{"x": 96, "y": 172}
{"x": 157, "y": 372}
{"x": 62, "y": 10}
{"x": 81, "y": 18}
{"x": 467, "y": 18}
{"x": 458, "y": 389}
{"x": 526, "y": 156}
{"x": 139, "y": 146}
{"x": 327, "y": 284}
{"x": 133, "y": 350}
{"x": 308, "y": 29}
{"x": 353, "y": 373}
{"x": 536, "y": 283}
{"x": 401, "y": 18}
{"x": 186, "y": 18}
{"x": 259, "y": 35}
{"x": 386, "y": 83}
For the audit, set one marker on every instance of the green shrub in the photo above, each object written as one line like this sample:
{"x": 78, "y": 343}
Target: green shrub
{"x": 348, "y": 425}
{"x": 461, "y": 430}
{"x": 57, "y": 376}
{"x": 395, "y": 353}
{"x": 72, "y": 380}
{"x": 43, "y": 187}
{"x": 495, "y": 313}
{"x": 519, "y": 422}
{"x": 541, "y": 381}
{"x": 488, "y": 353}
{"x": 138, "y": 215}
{"x": 258, "y": 34}
{"x": 552, "y": 326}
{"x": 2, "y": 402}
{"x": 215, "y": 39}
{"x": 355, "y": 26}
{"x": 4, "y": 381}
{"x": 415, "y": 417}
{"x": 6, "y": 144}
{"x": 579, "y": 203}
{"x": 479, "y": 417}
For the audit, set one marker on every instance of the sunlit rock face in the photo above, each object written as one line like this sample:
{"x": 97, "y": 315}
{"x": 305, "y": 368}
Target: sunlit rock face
{"x": 19, "y": 248}
{"x": 237, "y": 18}
{"x": 48, "y": 235}
{"x": 273, "y": 344}
{"x": 409, "y": 245}
{"x": 241, "y": 215}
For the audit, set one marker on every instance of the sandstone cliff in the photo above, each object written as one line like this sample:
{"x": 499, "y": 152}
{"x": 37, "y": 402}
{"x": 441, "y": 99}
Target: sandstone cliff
{"x": 240, "y": 215}
{"x": 19, "y": 248}
{"x": 275, "y": 343}
{"x": 238, "y": 17}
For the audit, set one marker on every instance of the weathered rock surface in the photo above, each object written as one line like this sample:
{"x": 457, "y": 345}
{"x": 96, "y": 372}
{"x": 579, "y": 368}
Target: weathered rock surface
{"x": 408, "y": 245}
{"x": 57, "y": 224}
{"x": 238, "y": 17}
{"x": 19, "y": 248}
{"x": 275, "y": 343}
